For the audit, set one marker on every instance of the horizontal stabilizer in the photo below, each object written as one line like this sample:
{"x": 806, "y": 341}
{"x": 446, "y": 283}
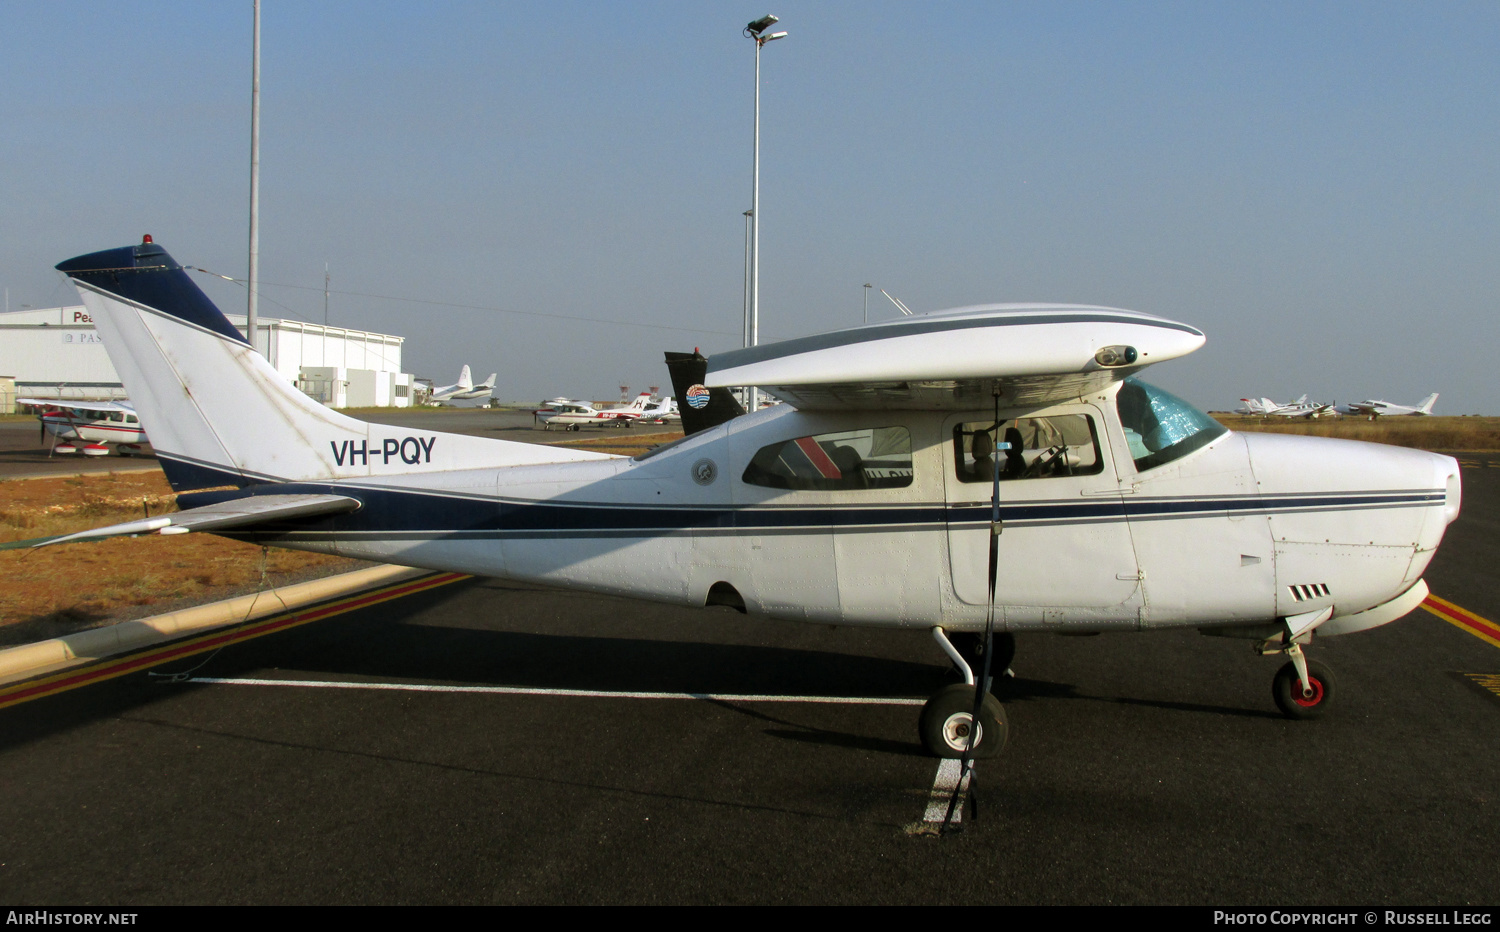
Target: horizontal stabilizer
{"x": 220, "y": 516}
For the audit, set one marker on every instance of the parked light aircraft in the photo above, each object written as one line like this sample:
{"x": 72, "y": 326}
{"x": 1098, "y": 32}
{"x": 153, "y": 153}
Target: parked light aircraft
{"x": 464, "y": 389}
{"x": 664, "y": 411}
{"x": 1299, "y": 408}
{"x": 933, "y": 473}
{"x": 88, "y": 427}
{"x": 1374, "y": 409}
{"x": 573, "y": 415}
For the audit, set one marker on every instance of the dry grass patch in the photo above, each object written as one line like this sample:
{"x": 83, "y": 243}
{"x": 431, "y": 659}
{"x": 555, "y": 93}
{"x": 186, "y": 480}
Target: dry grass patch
{"x": 53, "y": 590}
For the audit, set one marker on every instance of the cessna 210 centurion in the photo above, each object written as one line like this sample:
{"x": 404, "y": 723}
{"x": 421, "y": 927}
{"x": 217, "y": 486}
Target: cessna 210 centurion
{"x": 943, "y": 472}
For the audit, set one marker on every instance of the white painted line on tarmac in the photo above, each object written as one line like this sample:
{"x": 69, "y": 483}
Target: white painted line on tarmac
{"x": 534, "y": 691}
{"x": 943, "y": 786}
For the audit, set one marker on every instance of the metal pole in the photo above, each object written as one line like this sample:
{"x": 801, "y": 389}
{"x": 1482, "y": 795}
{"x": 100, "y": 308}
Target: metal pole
{"x": 254, "y": 280}
{"x": 745, "y": 330}
{"x": 868, "y": 286}
{"x": 755, "y": 232}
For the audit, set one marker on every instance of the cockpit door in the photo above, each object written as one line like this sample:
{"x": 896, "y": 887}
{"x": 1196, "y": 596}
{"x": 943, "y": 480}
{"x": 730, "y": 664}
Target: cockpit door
{"x": 1065, "y": 548}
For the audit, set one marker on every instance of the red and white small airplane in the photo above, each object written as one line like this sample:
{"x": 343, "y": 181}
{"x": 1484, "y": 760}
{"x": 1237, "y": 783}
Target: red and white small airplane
{"x": 88, "y": 427}
{"x": 572, "y": 415}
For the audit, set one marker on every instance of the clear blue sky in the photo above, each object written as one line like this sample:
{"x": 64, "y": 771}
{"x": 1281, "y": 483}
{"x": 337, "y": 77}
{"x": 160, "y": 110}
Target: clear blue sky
{"x": 1315, "y": 185}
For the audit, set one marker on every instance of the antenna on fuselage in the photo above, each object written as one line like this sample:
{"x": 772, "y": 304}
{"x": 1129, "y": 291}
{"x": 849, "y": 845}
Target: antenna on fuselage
{"x": 900, "y": 305}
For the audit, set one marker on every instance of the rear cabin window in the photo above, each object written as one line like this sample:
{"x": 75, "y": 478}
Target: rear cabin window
{"x": 872, "y": 458}
{"x": 1027, "y": 448}
{"x": 1160, "y": 427}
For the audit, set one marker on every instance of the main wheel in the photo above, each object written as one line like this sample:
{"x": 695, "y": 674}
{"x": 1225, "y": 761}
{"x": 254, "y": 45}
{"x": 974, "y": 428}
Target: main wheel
{"x": 948, "y": 718}
{"x": 1290, "y": 698}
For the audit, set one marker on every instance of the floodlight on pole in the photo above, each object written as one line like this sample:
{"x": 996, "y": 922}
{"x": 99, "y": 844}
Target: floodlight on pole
{"x": 756, "y": 30}
{"x": 761, "y": 25}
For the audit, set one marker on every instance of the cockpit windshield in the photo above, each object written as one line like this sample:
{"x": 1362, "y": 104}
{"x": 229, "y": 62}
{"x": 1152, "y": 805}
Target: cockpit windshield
{"x": 1161, "y": 427}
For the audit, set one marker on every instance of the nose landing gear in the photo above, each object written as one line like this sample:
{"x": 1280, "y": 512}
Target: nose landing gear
{"x": 1302, "y": 688}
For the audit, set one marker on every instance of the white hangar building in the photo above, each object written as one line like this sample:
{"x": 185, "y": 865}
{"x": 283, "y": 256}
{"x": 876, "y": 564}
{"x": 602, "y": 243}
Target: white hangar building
{"x": 55, "y": 352}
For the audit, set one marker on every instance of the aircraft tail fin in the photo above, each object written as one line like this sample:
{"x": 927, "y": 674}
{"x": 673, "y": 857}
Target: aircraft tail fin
{"x": 700, "y": 407}
{"x": 1426, "y": 406}
{"x": 489, "y": 382}
{"x": 465, "y": 380}
{"x": 218, "y": 413}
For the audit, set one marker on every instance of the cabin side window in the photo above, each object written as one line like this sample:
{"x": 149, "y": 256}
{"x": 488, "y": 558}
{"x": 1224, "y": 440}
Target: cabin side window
{"x": 1160, "y": 427}
{"x": 1027, "y": 448}
{"x": 872, "y": 458}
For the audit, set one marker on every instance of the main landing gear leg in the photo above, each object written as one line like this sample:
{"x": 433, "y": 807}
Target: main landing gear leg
{"x": 948, "y": 717}
{"x": 971, "y": 645}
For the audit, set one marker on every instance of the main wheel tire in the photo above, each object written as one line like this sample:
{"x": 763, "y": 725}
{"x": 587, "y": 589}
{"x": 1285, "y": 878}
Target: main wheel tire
{"x": 948, "y": 717}
{"x": 1287, "y": 689}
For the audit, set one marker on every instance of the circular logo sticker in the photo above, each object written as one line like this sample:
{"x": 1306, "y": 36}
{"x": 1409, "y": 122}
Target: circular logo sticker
{"x": 704, "y": 472}
{"x": 697, "y": 397}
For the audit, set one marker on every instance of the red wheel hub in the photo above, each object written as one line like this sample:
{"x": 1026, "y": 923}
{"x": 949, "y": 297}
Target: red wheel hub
{"x": 1305, "y": 701}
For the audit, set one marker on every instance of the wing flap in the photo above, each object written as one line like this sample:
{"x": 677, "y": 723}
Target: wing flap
{"x": 238, "y": 512}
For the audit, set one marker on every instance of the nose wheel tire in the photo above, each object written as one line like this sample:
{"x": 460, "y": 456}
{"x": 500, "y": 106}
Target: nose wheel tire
{"x": 947, "y": 720}
{"x": 1296, "y": 702}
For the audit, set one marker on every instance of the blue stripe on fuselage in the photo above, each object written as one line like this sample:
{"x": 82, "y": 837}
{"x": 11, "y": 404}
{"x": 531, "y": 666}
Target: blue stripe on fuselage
{"x": 413, "y": 514}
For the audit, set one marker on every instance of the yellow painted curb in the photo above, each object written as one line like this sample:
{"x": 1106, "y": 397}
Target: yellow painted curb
{"x": 18, "y": 663}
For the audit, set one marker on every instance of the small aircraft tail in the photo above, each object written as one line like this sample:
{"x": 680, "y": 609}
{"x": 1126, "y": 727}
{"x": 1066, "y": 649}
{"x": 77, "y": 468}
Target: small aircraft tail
{"x": 1426, "y": 406}
{"x": 489, "y": 382}
{"x": 700, "y": 407}
{"x": 465, "y": 380}
{"x": 219, "y": 414}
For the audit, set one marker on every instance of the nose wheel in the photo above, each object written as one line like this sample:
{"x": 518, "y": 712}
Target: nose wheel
{"x": 1303, "y": 694}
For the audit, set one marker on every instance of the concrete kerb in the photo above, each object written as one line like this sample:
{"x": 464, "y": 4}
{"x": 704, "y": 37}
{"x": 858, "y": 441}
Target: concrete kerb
{"x": 28, "y": 660}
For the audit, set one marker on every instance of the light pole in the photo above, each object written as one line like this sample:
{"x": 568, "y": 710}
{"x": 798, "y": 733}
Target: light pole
{"x": 746, "y": 302}
{"x": 868, "y": 286}
{"x": 757, "y": 31}
{"x": 252, "y": 298}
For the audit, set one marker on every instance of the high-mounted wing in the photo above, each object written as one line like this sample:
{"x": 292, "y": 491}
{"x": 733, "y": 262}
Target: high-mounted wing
{"x": 1036, "y": 354}
{"x": 96, "y": 407}
{"x": 222, "y": 516}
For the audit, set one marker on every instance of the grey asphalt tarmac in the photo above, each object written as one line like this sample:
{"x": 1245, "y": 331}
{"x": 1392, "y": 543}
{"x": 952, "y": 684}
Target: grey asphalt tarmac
{"x": 1142, "y": 768}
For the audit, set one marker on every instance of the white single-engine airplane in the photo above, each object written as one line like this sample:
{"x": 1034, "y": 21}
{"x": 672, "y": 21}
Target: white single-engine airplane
{"x": 88, "y": 427}
{"x": 1374, "y": 409}
{"x": 877, "y": 495}
{"x": 464, "y": 389}
{"x": 1299, "y": 408}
